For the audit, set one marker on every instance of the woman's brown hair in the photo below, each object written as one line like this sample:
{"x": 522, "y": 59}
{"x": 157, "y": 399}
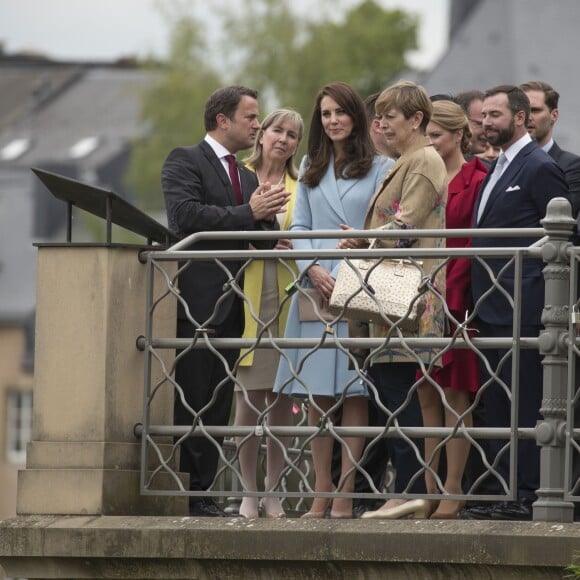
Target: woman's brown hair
{"x": 408, "y": 98}
{"x": 359, "y": 150}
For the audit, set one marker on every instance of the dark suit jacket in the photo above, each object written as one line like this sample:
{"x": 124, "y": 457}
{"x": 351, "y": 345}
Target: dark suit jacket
{"x": 199, "y": 197}
{"x": 533, "y": 179}
{"x": 570, "y": 165}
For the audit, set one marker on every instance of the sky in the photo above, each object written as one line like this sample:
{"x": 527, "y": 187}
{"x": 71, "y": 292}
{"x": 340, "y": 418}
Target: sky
{"x": 109, "y": 29}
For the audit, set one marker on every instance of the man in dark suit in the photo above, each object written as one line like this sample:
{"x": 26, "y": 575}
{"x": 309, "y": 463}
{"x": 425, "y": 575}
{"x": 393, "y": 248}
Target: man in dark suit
{"x": 543, "y": 116}
{"x": 544, "y": 102}
{"x": 515, "y": 194}
{"x": 206, "y": 190}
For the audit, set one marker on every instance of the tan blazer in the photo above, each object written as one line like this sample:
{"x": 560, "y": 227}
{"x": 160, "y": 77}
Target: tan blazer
{"x": 413, "y": 196}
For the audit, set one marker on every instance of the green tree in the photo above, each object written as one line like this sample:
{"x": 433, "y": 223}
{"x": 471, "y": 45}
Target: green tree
{"x": 263, "y": 38}
{"x": 372, "y": 44}
{"x": 269, "y": 48}
{"x": 171, "y": 109}
{"x": 289, "y": 60}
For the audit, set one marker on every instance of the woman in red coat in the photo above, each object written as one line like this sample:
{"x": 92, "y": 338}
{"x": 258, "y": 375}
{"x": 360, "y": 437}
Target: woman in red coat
{"x": 458, "y": 378}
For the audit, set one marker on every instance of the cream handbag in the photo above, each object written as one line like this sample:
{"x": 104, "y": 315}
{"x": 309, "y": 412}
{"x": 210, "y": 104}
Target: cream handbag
{"x": 387, "y": 291}
{"x": 312, "y": 307}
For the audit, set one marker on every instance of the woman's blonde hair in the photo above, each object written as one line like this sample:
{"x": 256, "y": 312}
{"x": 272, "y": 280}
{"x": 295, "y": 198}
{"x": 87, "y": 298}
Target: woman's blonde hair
{"x": 277, "y": 117}
{"x": 451, "y": 117}
{"x": 408, "y": 98}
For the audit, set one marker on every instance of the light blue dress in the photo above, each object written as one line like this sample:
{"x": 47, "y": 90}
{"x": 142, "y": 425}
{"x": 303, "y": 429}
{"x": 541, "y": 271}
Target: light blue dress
{"x": 324, "y": 207}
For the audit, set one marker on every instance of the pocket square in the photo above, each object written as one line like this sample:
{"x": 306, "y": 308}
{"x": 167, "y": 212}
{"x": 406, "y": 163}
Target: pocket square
{"x": 513, "y": 188}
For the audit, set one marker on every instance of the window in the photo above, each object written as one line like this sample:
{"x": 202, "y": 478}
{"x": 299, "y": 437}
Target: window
{"x": 84, "y": 147}
{"x": 15, "y": 149}
{"x": 18, "y": 425}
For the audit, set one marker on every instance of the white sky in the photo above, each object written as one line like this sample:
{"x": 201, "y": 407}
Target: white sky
{"x": 108, "y": 29}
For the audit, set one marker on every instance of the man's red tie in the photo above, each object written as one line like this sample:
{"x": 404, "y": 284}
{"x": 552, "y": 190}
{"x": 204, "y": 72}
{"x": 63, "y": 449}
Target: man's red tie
{"x": 233, "y": 168}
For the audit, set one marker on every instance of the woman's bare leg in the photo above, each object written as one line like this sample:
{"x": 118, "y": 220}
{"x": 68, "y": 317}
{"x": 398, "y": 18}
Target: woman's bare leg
{"x": 280, "y": 415}
{"x": 321, "y": 457}
{"x": 248, "y": 449}
{"x": 432, "y": 411}
{"x": 456, "y": 451}
{"x": 354, "y": 414}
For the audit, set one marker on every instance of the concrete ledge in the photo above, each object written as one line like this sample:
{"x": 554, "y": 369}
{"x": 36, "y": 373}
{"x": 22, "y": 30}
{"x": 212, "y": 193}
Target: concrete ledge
{"x": 92, "y": 455}
{"x": 99, "y": 492}
{"x": 207, "y": 548}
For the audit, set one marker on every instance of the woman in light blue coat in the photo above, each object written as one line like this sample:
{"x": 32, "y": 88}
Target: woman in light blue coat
{"x": 337, "y": 180}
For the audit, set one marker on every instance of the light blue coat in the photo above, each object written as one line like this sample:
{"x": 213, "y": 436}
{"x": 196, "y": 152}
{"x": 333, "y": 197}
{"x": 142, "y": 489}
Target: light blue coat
{"x": 324, "y": 207}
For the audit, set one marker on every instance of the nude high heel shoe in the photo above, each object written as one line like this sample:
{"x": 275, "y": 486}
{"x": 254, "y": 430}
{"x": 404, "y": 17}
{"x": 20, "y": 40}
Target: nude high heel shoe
{"x": 417, "y": 508}
{"x": 318, "y": 514}
{"x": 341, "y": 509}
{"x": 448, "y": 514}
{"x": 249, "y": 508}
{"x": 272, "y": 508}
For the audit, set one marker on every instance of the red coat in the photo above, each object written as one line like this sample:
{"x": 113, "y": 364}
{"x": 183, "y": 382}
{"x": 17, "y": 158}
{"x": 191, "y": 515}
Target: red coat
{"x": 462, "y": 195}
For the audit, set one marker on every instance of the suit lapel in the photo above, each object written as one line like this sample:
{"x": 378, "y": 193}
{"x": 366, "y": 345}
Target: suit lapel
{"x": 248, "y": 184}
{"x": 481, "y": 190}
{"x": 508, "y": 178}
{"x": 555, "y": 152}
{"x": 329, "y": 187}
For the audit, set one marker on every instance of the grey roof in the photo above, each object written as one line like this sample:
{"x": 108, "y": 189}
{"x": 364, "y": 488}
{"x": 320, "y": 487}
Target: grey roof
{"x": 25, "y": 85}
{"x": 513, "y": 41}
{"x": 103, "y": 103}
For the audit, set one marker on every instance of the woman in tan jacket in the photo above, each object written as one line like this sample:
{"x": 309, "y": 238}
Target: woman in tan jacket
{"x": 411, "y": 197}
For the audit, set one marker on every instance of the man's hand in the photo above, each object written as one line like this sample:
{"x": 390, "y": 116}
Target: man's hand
{"x": 267, "y": 201}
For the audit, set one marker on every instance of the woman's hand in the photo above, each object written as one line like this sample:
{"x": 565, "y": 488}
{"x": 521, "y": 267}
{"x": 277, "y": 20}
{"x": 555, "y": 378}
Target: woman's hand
{"x": 283, "y": 244}
{"x": 351, "y": 243}
{"x": 321, "y": 280}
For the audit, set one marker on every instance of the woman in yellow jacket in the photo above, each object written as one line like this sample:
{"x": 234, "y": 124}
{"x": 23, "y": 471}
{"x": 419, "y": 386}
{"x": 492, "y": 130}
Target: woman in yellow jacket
{"x": 273, "y": 160}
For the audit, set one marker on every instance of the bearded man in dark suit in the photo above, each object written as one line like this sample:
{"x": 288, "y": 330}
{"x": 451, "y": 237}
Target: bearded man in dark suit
{"x": 515, "y": 194}
{"x": 206, "y": 190}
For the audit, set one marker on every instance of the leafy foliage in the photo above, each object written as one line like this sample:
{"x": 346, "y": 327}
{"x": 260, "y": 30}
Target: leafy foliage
{"x": 171, "y": 110}
{"x": 267, "y": 47}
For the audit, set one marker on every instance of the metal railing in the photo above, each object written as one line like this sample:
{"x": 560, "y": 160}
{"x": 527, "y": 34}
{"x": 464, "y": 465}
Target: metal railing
{"x": 556, "y": 433}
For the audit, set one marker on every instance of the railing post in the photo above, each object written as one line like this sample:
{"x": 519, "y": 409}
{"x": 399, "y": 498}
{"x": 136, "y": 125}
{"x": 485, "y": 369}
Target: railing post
{"x": 551, "y": 430}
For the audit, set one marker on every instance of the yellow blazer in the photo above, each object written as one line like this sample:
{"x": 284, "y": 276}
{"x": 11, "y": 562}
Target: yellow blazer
{"x": 254, "y": 277}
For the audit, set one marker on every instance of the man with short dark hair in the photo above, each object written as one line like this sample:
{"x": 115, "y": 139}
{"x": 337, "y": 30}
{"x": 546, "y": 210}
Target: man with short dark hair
{"x": 515, "y": 194}
{"x": 205, "y": 189}
{"x": 543, "y": 116}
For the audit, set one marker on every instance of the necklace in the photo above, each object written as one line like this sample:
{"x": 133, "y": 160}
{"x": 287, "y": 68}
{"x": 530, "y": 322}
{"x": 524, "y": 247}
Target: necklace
{"x": 260, "y": 180}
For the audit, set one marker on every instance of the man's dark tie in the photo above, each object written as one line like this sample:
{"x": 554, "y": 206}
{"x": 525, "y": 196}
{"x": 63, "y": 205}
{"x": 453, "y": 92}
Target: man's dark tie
{"x": 233, "y": 168}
